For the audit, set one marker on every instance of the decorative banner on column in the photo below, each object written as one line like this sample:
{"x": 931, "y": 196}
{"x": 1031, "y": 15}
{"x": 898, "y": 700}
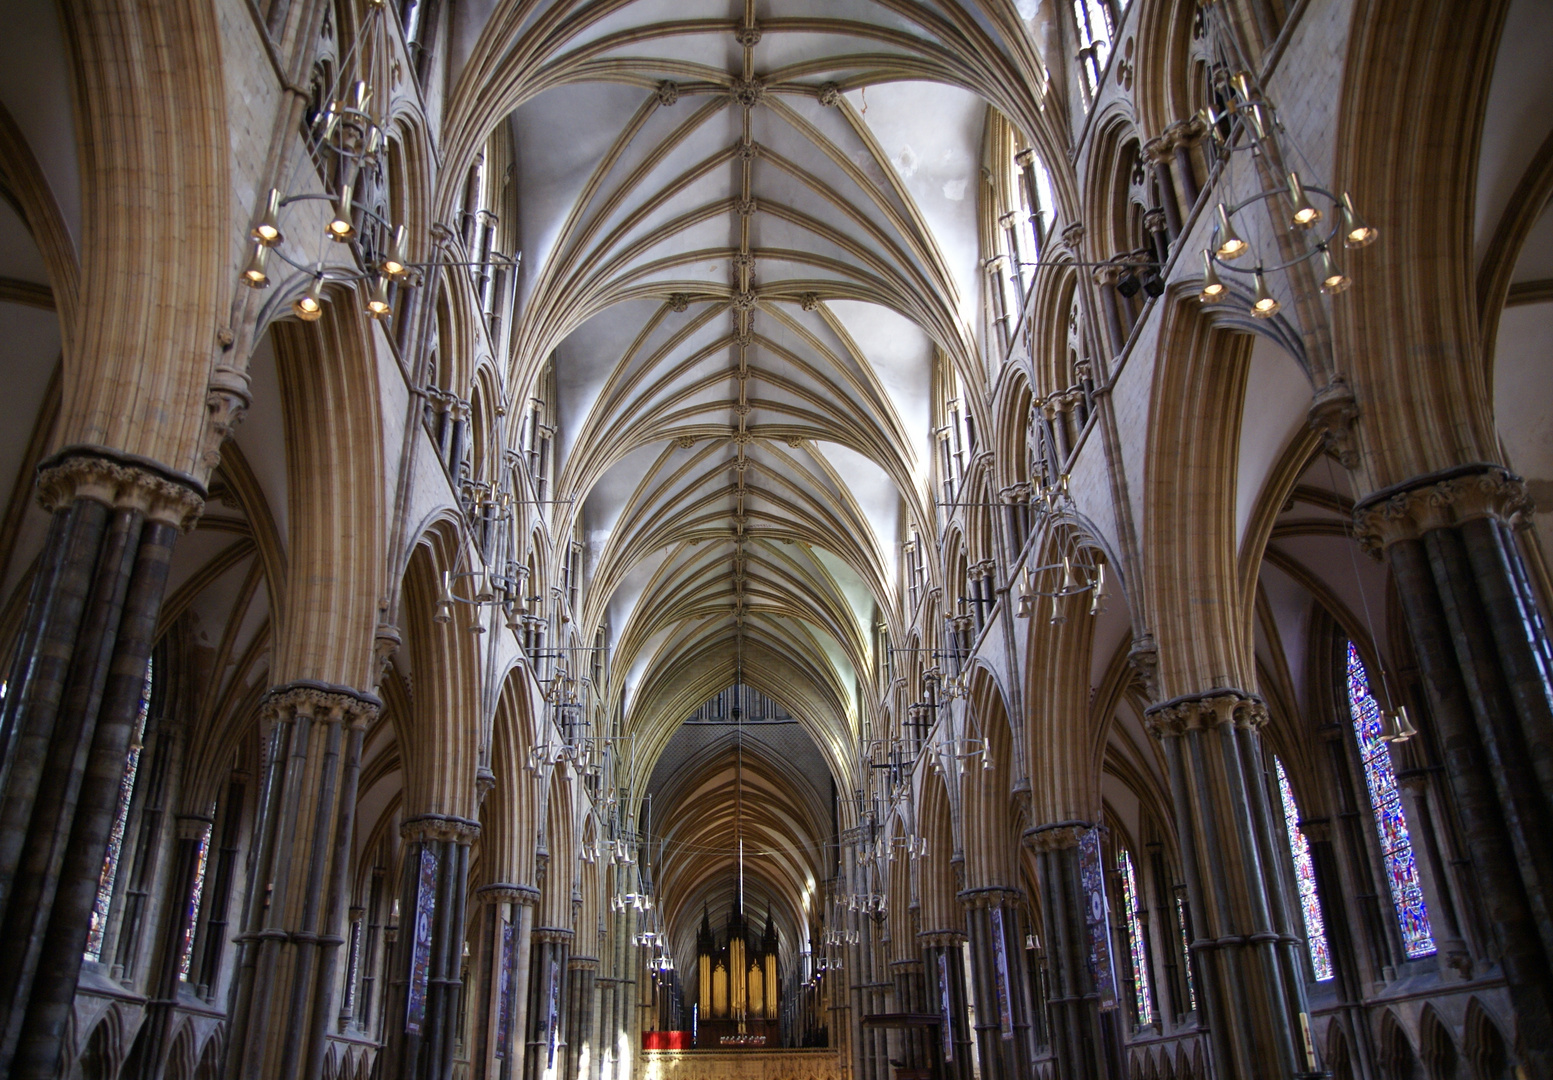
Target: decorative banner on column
{"x": 946, "y": 1030}
{"x": 1091, "y": 870}
{"x": 420, "y": 947}
{"x": 553, "y": 1029}
{"x": 504, "y": 988}
{"x": 1000, "y": 970}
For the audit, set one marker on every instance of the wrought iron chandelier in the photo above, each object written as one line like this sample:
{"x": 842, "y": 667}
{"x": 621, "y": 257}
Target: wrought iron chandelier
{"x": 1311, "y": 221}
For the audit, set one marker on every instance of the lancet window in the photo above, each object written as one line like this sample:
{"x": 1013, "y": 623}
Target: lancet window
{"x": 1305, "y": 880}
{"x": 1390, "y": 821}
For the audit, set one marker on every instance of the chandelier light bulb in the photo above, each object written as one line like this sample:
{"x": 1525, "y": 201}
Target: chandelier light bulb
{"x": 1264, "y": 305}
{"x": 1231, "y": 246}
{"x": 254, "y": 274}
{"x": 309, "y": 307}
{"x": 377, "y": 304}
{"x": 1333, "y": 280}
{"x": 1305, "y": 215}
{"x": 267, "y": 229}
{"x": 340, "y": 226}
{"x": 397, "y": 262}
{"x": 1356, "y": 233}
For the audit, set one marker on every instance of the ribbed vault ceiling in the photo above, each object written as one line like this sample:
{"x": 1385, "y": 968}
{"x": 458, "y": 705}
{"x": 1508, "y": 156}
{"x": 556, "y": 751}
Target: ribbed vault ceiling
{"x": 749, "y": 235}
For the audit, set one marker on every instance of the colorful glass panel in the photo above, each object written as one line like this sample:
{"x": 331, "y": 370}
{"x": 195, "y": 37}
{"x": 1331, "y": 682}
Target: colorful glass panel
{"x": 1142, "y": 1002}
{"x": 110, "y": 862}
{"x": 186, "y": 950}
{"x": 1305, "y": 880}
{"x": 1390, "y": 821}
{"x": 1186, "y": 952}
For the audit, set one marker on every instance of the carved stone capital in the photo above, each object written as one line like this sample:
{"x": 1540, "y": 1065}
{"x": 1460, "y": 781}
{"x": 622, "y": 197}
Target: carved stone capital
{"x": 503, "y": 892}
{"x": 1159, "y": 149}
{"x": 1212, "y": 709}
{"x": 1332, "y": 415}
{"x": 440, "y": 827}
{"x": 1025, "y": 158}
{"x": 553, "y": 934}
{"x": 941, "y": 939}
{"x": 582, "y": 963}
{"x": 120, "y": 480}
{"x": 226, "y": 401}
{"x": 990, "y": 896}
{"x": 1058, "y": 836}
{"x": 1438, "y": 501}
{"x": 1143, "y": 658}
{"x": 1073, "y": 235}
{"x": 320, "y": 700}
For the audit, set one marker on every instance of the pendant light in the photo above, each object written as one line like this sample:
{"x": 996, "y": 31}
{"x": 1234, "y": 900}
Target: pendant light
{"x": 309, "y": 307}
{"x": 1231, "y": 246}
{"x": 1356, "y": 233}
{"x": 1264, "y": 305}
{"x": 267, "y": 229}
{"x": 377, "y": 304}
{"x": 341, "y": 228}
{"x": 1305, "y": 214}
{"x": 1213, "y": 289}
{"x": 397, "y": 262}
{"x": 1333, "y": 280}
{"x": 254, "y": 274}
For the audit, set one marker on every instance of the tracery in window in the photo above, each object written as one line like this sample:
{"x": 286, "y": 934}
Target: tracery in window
{"x": 1143, "y": 1007}
{"x": 1305, "y": 880}
{"x": 1390, "y": 822}
{"x": 110, "y": 862}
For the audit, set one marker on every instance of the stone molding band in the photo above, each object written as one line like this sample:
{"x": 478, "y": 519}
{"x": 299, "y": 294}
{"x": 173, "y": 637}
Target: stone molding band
{"x": 440, "y": 827}
{"x": 1440, "y": 500}
{"x": 503, "y": 892}
{"x": 306, "y": 697}
{"x": 1209, "y": 709}
{"x": 120, "y": 480}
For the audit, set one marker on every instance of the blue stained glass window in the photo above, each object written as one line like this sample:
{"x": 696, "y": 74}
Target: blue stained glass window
{"x": 1305, "y": 880}
{"x": 1390, "y": 821}
{"x": 110, "y": 862}
{"x": 1135, "y": 946}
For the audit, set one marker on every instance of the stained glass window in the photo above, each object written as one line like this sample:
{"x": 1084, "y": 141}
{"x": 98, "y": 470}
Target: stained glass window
{"x": 186, "y": 953}
{"x": 1135, "y": 940}
{"x": 1186, "y": 952}
{"x": 1305, "y": 880}
{"x": 110, "y": 862}
{"x": 1396, "y": 847}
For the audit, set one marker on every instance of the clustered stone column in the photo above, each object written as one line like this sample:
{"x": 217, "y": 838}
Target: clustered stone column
{"x": 548, "y": 968}
{"x": 284, "y": 996}
{"x": 1250, "y": 981}
{"x": 581, "y": 973}
{"x": 73, "y": 699}
{"x": 943, "y": 961}
{"x": 1483, "y": 652}
{"x": 1077, "y": 1035}
{"x": 421, "y": 1034}
{"x": 996, "y": 934}
{"x": 506, "y": 924}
